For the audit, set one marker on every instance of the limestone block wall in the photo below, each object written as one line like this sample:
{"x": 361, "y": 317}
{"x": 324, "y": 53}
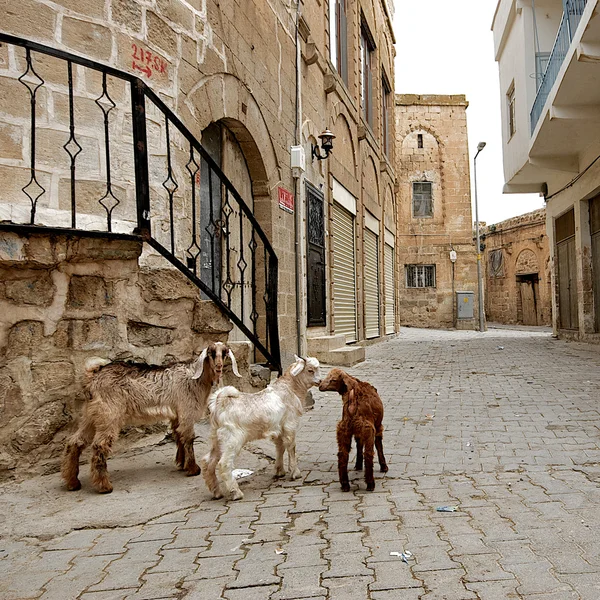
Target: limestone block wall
{"x": 231, "y": 63}
{"x": 66, "y": 299}
{"x": 517, "y": 249}
{"x": 431, "y": 146}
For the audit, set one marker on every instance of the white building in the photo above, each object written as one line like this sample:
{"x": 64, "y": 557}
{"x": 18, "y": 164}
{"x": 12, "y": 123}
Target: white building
{"x": 548, "y": 52}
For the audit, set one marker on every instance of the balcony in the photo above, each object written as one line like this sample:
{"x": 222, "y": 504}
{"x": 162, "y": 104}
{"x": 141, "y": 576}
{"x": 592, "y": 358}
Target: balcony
{"x": 568, "y": 26}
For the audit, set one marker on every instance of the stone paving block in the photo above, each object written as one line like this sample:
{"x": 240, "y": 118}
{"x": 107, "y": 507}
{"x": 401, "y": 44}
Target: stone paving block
{"x": 512, "y": 551}
{"x": 273, "y": 514}
{"x": 535, "y": 578}
{"x": 80, "y": 540}
{"x": 159, "y": 585}
{"x": 587, "y": 585}
{"x": 236, "y": 525}
{"x": 110, "y": 595}
{"x": 214, "y": 567}
{"x": 346, "y": 564}
{"x": 259, "y": 566}
{"x": 85, "y": 572}
{"x": 160, "y": 531}
{"x": 178, "y": 516}
{"x": 342, "y": 524}
{"x": 301, "y": 582}
{"x": 393, "y": 576}
{"x": 447, "y": 583}
{"x": 272, "y": 532}
{"x": 495, "y": 590}
{"x": 251, "y": 593}
{"x": 179, "y": 559}
{"x": 18, "y": 587}
{"x": 188, "y": 538}
{"x": 205, "y": 589}
{"x": 482, "y": 567}
{"x": 347, "y": 588}
{"x": 224, "y": 545}
{"x": 204, "y": 518}
{"x": 299, "y": 555}
{"x": 407, "y": 594}
{"x": 113, "y": 541}
{"x": 55, "y": 560}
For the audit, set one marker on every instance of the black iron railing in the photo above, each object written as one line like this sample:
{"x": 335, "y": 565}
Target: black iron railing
{"x": 186, "y": 209}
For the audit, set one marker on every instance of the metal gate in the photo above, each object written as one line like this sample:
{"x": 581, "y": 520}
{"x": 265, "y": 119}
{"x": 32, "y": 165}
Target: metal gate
{"x": 344, "y": 274}
{"x": 315, "y": 256}
{"x": 390, "y": 287}
{"x": 567, "y": 271}
{"x": 371, "y": 284}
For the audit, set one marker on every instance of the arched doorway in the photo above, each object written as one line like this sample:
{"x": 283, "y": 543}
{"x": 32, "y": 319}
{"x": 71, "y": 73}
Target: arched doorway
{"x": 527, "y": 274}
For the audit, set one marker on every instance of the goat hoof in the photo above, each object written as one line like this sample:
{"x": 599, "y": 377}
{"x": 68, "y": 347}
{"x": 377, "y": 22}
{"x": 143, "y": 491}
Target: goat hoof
{"x": 193, "y": 471}
{"x": 345, "y": 487}
{"x": 279, "y": 474}
{"x": 105, "y": 489}
{"x": 384, "y": 469}
{"x": 237, "y": 495}
{"x": 296, "y": 474}
{"x": 74, "y": 486}
{"x": 370, "y": 487}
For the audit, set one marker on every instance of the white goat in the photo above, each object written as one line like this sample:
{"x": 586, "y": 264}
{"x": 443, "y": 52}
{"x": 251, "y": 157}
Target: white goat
{"x": 136, "y": 393}
{"x": 237, "y": 418}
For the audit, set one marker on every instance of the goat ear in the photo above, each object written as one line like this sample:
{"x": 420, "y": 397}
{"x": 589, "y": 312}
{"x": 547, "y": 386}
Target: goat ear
{"x": 233, "y": 363}
{"x": 199, "y": 365}
{"x": 351, "y": 402}
{"x": 298, "y": 366}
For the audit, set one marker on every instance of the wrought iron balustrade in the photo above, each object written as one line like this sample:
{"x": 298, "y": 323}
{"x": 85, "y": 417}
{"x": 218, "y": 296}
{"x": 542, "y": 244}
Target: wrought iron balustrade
{"x": 125, "y": 165}
{"x": 566, "y": 30}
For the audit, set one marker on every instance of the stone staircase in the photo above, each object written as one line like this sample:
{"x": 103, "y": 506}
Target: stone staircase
{"x": 332, "y": 350}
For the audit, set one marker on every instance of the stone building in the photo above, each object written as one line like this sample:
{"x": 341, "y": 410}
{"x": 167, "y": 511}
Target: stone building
{"x": 172, "y": 123}
{"x": 516, "y": 263}
{"x": 436, "y": 251}
{"x": 547, "y": 58}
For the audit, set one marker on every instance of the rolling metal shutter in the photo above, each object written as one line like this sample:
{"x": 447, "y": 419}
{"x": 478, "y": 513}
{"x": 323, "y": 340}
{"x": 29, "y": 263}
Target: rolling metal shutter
{"x": 371, "y": 285}
{"x": 344, "y": 276}
{"x": 390, "y": 287}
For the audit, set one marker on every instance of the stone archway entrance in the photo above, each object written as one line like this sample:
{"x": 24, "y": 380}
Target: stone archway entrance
{"x": 527, "y": 274}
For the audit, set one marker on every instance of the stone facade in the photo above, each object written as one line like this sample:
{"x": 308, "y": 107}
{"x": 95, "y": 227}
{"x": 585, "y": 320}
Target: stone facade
{"x": 66, "y": 299}
{"x": 228, "y": 70}
{"x": 434, "y": 211}
{"x": 516, "y": 263}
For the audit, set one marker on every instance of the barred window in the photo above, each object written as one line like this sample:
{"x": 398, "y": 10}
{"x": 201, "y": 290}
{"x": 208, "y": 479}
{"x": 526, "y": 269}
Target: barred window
{"x": 420, "y": 276}
{"x": 422, "y": 200}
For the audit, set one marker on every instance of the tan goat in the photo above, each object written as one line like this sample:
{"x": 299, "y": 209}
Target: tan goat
{"x": 136, "y": 393}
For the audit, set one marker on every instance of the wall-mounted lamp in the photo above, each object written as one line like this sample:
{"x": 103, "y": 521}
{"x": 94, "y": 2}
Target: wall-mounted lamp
{"x": 453, "y": 255}
{"x": 326, "y": 145}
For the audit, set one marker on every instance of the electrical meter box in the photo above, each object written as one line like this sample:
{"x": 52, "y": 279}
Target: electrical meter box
{"x": 465, "y": 301}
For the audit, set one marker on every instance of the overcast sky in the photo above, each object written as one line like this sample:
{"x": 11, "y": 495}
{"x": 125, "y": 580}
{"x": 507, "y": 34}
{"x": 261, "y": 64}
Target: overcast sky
{"x": 446, "y": 47}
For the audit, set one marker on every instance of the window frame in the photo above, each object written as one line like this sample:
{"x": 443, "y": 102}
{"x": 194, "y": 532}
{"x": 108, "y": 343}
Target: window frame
{"x": 338, "y": 37}
{"x": 422, "y": 216}
{"x": 386, "y": 95}
{"x": 367, "y": 60}
{"x": 421, "y": 275}
{"x": 511, "y": 116}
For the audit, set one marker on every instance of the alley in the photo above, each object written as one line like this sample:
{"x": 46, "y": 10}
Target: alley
{"x": 503, "y": 425}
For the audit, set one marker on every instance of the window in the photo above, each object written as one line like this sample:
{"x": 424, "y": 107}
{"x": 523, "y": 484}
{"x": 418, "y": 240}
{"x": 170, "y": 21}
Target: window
{"x": 386, "y": 104}
{"x": 496, "y": 263}
{"x": 367, "y": 49}
{"x": 420, "y": 276}
{"x": 422, "y": 199}
{"x": 419, "y": 140}
{"x": 338, "y": 37}
{"x": 510, "y": 107}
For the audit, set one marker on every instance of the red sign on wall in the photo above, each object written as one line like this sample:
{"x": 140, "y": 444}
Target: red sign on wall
{"x": 146, "y": 61}
{"x": 286, "y": 200}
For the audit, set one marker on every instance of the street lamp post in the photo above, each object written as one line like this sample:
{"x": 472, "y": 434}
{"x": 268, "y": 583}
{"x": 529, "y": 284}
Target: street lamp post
{"x": 482, "y": 327}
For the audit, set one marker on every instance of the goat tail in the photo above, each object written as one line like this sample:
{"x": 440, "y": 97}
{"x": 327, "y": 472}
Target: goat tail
{"x": 226, "y": 392}
{"x": 95, "y": 364}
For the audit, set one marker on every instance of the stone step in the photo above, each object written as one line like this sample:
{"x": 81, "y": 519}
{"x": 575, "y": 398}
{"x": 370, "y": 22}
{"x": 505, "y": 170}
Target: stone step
{"x": 325, "y": 343}
{"x": 342, "y": 357}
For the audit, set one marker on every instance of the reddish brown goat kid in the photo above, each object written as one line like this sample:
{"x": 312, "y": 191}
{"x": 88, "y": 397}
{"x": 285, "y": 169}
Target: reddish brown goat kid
{"x": 362, "y": 417}
{"x": 135, "y": 393}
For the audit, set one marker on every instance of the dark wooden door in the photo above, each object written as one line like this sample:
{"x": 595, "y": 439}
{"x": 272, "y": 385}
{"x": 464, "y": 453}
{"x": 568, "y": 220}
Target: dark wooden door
{"x": 315, "y": 272}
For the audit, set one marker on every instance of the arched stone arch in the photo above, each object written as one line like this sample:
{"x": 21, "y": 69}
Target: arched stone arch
{"x": 343, "y": 146}
{"x": 527, "y": 262}
{"x": 240, "y": 112}
{"x": 389, "y": 209}
{"x": 421, "y": 128}
{"x": 370, "y": 182}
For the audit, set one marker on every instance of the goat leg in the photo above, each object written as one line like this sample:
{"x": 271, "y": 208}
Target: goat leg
{"x": 70, "y": 462}
{"x": 291, "y": 450}
{"x": 186, "y": 438}
{"x": 180, "y": 456}
{"x": 208, "y": 465}
{"x": 280, "y": 448}
{"x": 359, "y": 454}
{"x": 379, "y": 445}
{"x": 369, "y": 439}
{"x": 227, "y": 481}
{"x": 100, "y": 452}
{"x": 344, "y": 445}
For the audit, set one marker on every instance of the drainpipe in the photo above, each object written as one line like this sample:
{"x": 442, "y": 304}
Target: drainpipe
{"x": 299, "y": 201}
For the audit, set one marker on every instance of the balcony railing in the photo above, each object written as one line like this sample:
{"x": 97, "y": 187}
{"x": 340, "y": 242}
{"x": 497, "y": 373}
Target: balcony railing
{"x": 568, "y": 25}
{"x": 123, "y": 163}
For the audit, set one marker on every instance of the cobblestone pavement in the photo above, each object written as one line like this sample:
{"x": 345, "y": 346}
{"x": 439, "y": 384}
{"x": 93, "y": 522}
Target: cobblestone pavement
{"x": 503, "y": 425}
